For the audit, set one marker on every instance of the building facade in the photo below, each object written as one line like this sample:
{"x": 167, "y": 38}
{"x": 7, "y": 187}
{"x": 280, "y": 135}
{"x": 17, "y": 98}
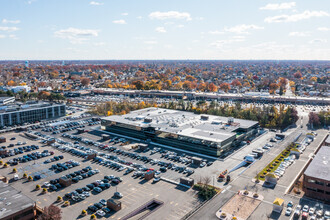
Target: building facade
{"x": 20, "y": 114}
{"x": 205, "y": 134}
{"x": 316, "y": 183}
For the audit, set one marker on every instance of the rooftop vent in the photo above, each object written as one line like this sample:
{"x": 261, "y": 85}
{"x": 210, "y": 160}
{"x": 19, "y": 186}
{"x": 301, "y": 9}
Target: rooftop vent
{"x": 204, "y": 117}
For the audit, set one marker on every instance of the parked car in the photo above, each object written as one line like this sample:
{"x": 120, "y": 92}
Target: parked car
{"x": 118, "y": 195}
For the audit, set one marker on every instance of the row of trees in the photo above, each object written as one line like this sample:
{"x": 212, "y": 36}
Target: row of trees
{"x": 319, "y": 119}
{"x": 268, "y": 116}
{"x": 23, "y": 96}
{"x": 119, "y": 108}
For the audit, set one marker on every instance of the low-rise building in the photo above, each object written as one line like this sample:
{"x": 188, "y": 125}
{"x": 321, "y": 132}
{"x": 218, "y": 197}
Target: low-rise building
{"x": 15, "y": 205}
{"x": 316, "y": 183}
{"x": 206, "y": 134}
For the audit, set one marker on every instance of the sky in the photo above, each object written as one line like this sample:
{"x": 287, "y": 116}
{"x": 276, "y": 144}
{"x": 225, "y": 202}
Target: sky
{"x": 164, "y": 29}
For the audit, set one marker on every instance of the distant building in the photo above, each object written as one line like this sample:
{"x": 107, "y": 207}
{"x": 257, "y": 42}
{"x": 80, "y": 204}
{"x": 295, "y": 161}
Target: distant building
{"x": 15, "y": 205}
{"x": 19, "y": 113}
{"x": 16, "y": 89}
{"x": 27, "y": 64}
{"x": 45, "y": 89}
{"x": 5, "y": 100}
{"x": 206, "y": 134}
{"x": 316, "y": 183}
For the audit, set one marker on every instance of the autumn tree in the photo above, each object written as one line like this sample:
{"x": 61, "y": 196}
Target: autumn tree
{"x": 225, "y": 87}
{"x": 85, "y": 81}
{"x": 236, "y": 83}
{"x": 138, "y": 84}
{"x": 212, "y": 87}
{"x": 314, "y": 119}
{"x": 43, "y": 95}
{"x": 11, "y": 83}
{"x": 51, "y": 212}
{"x": 297, "y": 75}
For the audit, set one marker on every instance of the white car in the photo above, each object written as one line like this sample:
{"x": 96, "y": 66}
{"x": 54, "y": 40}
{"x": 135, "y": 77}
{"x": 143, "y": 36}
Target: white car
{"x": 327, "y": 215}
{"x": 288, "y": 211}
{"x": 156, "y": 179}
{"x": 311, "y": 211}
{"x": 305, "y": 208}
{"x": 100, "y": 213}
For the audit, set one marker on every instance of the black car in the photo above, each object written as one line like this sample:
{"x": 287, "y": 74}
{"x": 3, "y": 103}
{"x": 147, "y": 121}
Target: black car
{"x": 91, "y": 186}
{"x": 92, "y": 208}
{"x": 98, "y": 205}
{"x": 79, "y": 190}
{"x": 58, "y": 185}
{"x": 52, "y": 187}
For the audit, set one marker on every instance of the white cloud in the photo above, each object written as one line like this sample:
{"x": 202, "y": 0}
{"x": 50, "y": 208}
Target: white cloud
{"x": 323, "y": 29}
{"x": 243, "y": 28}
{"x": 170, "y": 15}
{"x": 9, "y": 29}
{"x": 121, "y": 21}
{"x": 285, "y": 5}
{"x": 99, "y": 43}
{"x": 216, "y": 32}
{"x": 296, "y": 17}
{"x": 238, "y": 37}
{"x": 124, "y": 14}
{"x": 221, "y": 43}
{"x": 315, "y": 41}
{"x": 180, "y": 26}
{"x": 139, "y": 17}
{"x": 299, "y": 34}
{"x": 13, "y": 36}
{"x": 2, "y": 36}
{"x": 75, "y": 35}
{"x": 95, "y": 3}
{"x": 5, "y": 21}
{"x": 160, "y": 30}
{"x": 150, "y": 42}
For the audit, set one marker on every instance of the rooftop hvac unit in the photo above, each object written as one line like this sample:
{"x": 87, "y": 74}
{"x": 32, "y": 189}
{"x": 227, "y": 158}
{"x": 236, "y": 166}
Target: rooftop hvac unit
{"x": 230, "y": 120}
{"x": 204, "y": 117}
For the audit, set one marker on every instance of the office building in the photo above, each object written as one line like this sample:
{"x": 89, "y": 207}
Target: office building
{"x": 19, "y": 113}
{"x": 316, "y": 183}
{"x": 206, "y": 134}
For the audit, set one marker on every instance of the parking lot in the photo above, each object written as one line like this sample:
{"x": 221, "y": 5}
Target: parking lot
{"x": 114, "y": 158}
{"x": 135, "y": 191}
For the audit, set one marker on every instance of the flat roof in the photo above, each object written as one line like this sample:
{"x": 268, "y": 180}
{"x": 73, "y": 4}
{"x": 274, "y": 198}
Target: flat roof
{"x": 319, "y": 167}
{"x": 4, "y": 98}
{"x": 12, "y": 201}
{"x": 18, "y": 106}
{"x": 327, "y": 140}
{"x": 209, "y": 128}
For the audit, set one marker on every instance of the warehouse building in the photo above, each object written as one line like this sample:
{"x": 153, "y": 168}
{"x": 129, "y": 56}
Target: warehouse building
{"x": 316, "y": 183}
{"x": 206, "y": 134}
{"x": 19, "y": 113}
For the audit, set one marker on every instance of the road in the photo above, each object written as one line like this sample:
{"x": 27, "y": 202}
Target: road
{"x": 244, "y": 180}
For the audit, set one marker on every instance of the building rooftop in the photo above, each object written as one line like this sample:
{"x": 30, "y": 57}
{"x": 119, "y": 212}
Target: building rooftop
{"x": 19, "y": 106}
{"x": 12, "y": 201}
{"x": 327, "y": 141}
{"x": 188, "y": 124}
{"x": 319, "y": 167}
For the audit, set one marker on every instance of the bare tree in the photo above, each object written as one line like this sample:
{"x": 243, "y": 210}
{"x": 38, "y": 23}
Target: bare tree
{"x": 206, "y": 180}
{"x": 51, "y": 212}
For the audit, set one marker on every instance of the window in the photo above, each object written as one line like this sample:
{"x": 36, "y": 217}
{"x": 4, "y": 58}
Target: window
{"x": 311, "y": 181}
{"x": 319, "y": 183}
